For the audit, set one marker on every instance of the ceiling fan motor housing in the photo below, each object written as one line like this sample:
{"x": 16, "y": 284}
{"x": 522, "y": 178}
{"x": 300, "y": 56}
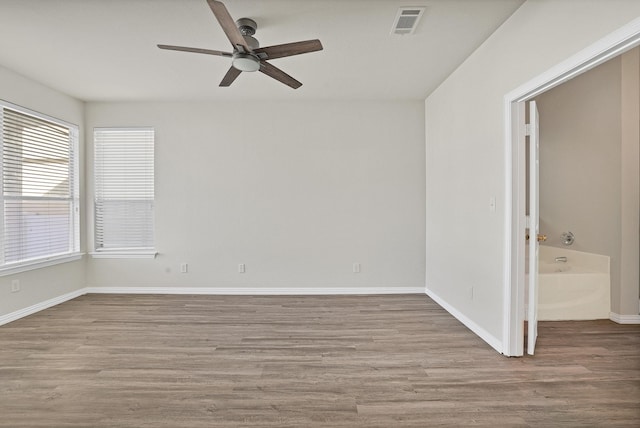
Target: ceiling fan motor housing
{"x": 251, "y": 42}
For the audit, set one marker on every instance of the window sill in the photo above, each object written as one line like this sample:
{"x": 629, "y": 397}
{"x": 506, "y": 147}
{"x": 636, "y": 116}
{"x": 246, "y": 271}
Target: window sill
{"x": 123, "y": 254}
{"x": 39, "y": 263}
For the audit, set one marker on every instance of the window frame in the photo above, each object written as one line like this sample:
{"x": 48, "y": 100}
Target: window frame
{"x": 74, "y": 249}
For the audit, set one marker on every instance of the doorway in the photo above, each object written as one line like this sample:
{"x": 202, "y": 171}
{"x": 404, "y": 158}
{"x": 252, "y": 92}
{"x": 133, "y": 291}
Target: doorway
{"x": 515, "y": 132}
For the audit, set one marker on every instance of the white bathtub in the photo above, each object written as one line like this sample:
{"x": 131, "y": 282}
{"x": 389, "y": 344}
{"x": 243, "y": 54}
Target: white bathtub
{"x": 578, "y": 289}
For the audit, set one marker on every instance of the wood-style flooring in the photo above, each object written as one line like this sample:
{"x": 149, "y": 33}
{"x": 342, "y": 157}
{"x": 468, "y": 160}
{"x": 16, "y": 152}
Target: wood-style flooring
{"x": 305, "y": 361}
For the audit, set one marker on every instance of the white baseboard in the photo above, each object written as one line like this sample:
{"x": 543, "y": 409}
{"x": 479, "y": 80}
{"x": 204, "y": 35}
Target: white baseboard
{"x": 258, "y": 291}
{"x": 21, "y": 313}
{"x": 624, "y": 319}
{"x": 493, "y": 341}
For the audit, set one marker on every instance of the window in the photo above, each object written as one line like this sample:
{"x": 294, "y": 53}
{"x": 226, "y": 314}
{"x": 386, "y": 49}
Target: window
{"x": 39, "y": 220}
{"x": 124, "y": 194}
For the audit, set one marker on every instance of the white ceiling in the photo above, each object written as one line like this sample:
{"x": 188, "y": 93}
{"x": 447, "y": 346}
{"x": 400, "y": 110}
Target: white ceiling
{"x": 105, "y": 50}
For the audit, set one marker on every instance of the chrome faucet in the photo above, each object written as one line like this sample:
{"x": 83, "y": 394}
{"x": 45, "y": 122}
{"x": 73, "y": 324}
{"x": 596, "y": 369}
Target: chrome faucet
{"x": 561, "y": 259}
{"x": 568, "y": 238}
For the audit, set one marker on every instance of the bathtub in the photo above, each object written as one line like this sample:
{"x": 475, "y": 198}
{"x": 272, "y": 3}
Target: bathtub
{"x": 578, "y": 289}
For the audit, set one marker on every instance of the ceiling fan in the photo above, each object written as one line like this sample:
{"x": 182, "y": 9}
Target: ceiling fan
{"x": 247, "y": 54}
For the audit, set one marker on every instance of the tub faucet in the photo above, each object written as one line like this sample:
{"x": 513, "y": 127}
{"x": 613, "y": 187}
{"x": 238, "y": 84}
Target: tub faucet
{"x": 561, "y": 259}
{"x": 568, "y": 238}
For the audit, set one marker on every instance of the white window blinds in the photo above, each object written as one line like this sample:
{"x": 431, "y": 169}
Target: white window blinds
{"x": 39, "y": 182}
{"x": 124, "y": 191}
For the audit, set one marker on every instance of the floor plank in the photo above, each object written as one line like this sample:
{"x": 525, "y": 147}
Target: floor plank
{"x": 303, "y": 361}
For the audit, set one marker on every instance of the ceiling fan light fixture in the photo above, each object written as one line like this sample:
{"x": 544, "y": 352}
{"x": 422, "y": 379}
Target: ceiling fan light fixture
{"x": 245, "y": 62}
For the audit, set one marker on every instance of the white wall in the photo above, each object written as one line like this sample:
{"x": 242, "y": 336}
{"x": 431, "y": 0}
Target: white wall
{"x": 298, "y": 191}
{"x": 47, "y": 283}
{"x": 466, "y": 154}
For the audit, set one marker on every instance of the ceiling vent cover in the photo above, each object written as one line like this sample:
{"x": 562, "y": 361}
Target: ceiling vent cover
{"x": 406, "y": 20}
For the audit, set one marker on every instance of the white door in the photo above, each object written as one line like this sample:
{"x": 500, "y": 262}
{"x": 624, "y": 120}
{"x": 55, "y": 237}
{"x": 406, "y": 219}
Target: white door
{"x": 534, "y": 226}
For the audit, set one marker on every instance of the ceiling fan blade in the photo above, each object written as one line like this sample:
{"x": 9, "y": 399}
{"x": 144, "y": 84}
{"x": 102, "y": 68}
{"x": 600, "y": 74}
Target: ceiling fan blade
{"x": 195, "y": 50}
{"x": 228, "y": 24}
{"x": 279, "y": 75}
{"x": 231, "y": 75}
{"x": 289, "y": 49}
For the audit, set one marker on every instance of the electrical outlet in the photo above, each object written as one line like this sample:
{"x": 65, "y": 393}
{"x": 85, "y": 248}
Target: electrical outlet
{"x": 356, "y": 268}
{"x": 15, "y": 285}
{"x": 241, "y": 268}
{"x": 184, "y": 268}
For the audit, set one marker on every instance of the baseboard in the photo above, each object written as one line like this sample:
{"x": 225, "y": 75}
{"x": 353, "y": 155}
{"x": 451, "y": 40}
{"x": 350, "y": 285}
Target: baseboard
{"x": 493, "y": 341}
{"x": 624, "y": 319}
{"x": 257, "y": 291}
{"x": 21, "y": 313}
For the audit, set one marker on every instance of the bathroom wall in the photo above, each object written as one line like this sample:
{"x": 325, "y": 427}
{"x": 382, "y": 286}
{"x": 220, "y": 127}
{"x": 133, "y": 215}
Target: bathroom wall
{"x": 630, "y": 170}
{"x": 582, "y": 187}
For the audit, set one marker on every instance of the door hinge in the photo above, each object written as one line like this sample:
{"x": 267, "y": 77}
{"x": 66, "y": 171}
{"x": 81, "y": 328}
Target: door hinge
{"x": 527, "y": 129}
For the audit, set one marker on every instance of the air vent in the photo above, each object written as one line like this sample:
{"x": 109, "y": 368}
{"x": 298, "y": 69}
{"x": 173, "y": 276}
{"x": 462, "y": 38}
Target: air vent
{"x": 406, "y": 20}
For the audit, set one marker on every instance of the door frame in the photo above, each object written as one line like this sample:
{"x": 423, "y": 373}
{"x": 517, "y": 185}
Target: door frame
{"x": 614, "y": 44}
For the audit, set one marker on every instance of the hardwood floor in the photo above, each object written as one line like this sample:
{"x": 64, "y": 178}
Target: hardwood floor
{"x": 330, "y": 361}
